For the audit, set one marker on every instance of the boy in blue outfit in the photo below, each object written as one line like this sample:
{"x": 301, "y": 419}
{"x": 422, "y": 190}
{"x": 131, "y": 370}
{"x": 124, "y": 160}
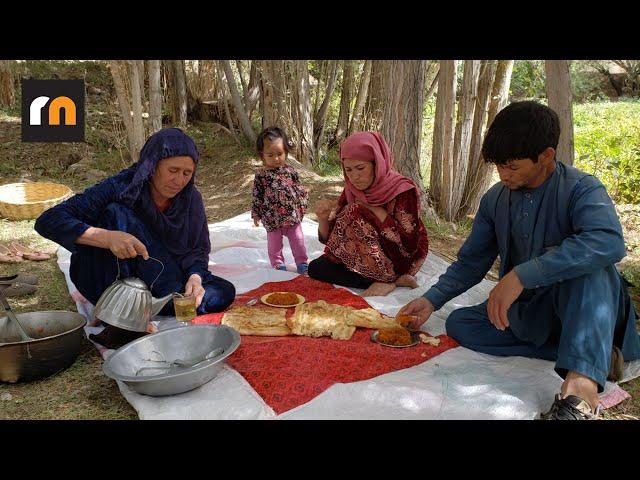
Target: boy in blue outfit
{"x": 560, "y": 296}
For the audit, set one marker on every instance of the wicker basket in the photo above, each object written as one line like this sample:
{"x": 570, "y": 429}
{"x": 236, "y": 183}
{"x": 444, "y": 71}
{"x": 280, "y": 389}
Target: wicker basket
{"x": 25, "y": 201}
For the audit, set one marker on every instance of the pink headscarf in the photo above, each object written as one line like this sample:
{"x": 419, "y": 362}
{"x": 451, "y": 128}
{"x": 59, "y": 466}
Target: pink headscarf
{"x": 387, "y": 184}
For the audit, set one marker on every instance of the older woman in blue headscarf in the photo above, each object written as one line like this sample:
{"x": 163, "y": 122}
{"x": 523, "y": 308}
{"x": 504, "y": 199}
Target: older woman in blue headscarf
{"x": 151, "y": 209}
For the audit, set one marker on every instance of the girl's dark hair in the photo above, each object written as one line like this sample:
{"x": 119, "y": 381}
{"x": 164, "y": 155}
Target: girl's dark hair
{"x": 521, "y": 130}
{"x": 273, "y": 133}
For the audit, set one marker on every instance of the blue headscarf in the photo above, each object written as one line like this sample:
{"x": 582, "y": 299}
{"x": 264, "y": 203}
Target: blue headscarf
{"x": 183, "y": 226}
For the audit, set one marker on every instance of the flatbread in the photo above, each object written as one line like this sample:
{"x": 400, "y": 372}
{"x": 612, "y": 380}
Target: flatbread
{"x": 321, "y": 319}
{"x": 264, "y": 321}
{"x": 369, "y": 318}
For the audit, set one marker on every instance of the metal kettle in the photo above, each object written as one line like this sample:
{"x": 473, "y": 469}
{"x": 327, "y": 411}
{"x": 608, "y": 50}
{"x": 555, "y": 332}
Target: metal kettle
{"x": 128, "y": 303}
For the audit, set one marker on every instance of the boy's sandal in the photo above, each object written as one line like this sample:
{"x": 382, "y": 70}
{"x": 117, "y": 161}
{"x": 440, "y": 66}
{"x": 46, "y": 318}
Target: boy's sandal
{"x": 7, "y": 256}
{"x": 28, "y": 253}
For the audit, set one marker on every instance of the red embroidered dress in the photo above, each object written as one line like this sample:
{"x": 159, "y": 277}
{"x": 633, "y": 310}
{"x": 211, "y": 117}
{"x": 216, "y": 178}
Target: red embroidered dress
{"x": 381, "y": 251}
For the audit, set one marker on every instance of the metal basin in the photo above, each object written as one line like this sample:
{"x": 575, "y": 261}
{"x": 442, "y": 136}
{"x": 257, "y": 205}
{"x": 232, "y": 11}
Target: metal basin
{"x": 58, "y": 336}
{"x": 190, "y": 342}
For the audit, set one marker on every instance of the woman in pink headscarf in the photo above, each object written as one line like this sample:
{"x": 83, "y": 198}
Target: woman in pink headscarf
{"x": 374, "y": 236}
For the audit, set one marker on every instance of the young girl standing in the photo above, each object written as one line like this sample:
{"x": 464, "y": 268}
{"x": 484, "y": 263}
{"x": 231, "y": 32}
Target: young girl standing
{"x": 279, "y": 201}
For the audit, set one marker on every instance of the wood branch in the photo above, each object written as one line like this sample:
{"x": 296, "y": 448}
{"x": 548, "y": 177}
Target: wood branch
{"x": 155, "y": 95}
{"x": 345, "y": 101}
{"x": 321, "y": 117}
{"x": 432, "y": 87}
{"x": 362, "y": 97}
{"x": 245, "y": 123}
{"x": 253, "y": 89}
{"x": 242, "y": 80}
{"x": 231, "y": 130}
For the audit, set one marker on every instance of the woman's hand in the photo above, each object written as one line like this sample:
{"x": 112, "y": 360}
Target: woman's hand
{"x": 379, "y": 212}
{"x": 324, "y": 208}
{"x": 256, "y": 222}
{"x": 194, "y": 287}
{"x": 124, "y": 245}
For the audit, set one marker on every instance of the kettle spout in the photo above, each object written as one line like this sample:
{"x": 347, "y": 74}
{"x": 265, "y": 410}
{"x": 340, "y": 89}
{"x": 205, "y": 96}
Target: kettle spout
{"x": 158, "y": 303}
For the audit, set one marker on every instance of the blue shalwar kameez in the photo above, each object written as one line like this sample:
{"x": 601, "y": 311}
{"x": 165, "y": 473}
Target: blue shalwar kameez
{"x": 563, "y": 239}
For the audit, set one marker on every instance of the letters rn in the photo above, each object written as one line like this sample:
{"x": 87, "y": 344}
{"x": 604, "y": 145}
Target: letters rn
{"x": 55, "y": 108}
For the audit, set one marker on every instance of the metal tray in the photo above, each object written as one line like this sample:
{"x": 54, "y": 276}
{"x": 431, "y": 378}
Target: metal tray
{"x": 415, "y": 337}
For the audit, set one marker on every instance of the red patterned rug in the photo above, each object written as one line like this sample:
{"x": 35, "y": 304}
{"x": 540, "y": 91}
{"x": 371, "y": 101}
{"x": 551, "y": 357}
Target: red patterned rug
{"x": 290, "y": 371}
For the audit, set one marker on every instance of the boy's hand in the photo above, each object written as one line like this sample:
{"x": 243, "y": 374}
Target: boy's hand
{"x": 502, "y": 297}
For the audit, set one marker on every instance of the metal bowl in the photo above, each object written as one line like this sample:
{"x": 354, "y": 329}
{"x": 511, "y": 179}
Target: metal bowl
{"x": 189, "y": 342}
{"x": 56, "y": 345}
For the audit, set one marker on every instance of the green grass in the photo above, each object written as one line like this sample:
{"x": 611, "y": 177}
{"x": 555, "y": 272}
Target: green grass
{"x": 330, "y": 165}
{"x": 80, "y": 392}
{"x": 607, "y": 144}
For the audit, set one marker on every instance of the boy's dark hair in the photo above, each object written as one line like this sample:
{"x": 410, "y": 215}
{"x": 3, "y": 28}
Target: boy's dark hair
{"x": 521, "y": 130}
{"x": 273, "y": 133}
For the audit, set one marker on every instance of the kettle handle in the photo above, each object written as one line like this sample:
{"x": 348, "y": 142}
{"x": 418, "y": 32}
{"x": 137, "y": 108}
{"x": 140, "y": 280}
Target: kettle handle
{"x": 150, "y": 258}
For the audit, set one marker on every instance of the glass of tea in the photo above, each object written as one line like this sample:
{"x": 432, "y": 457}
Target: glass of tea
{"x": 185, "y": 307}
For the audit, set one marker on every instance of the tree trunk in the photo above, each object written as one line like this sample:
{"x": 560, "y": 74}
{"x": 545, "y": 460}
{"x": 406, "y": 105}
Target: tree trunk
{"x": 500, "y": 89}
{"x": 245, "y": 123}
{"x": 243, "y": 83}
{"x": 374, "y": 105}
{"x": 155, "y": 95}
{"x": 479, "y": 173}
{"x": 143, "y": 93}
{"x": 462, "y": 140}
{"x": 253, "y": 89}
{"x": 136, "y": 103}
{"x": 181, "y": 92}
{"x": 274, "y": 111}
{"x": 305, "y": 121}
{"x": 226, "y": 107}
{"x": 291, "y": 86}
{"x": 402, "y": 117}
{"x": 321, "y": 115}
{"x": 433, "y": 85}
{"x": 345, "y": 101}
{"x": 362, "y": 97}
{"x": 322, "y": 74}
{"x": 209, "y": 81}
{"x": 7, "y": 91}
{"x": 443, "y": 131}
{"x": 126, "y": 86}
{"x": 559, "y": 95}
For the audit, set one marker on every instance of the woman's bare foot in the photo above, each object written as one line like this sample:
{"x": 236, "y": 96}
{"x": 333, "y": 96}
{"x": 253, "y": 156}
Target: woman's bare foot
{"x": 379, "y": 289}
{"x": 406, "y": 281}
